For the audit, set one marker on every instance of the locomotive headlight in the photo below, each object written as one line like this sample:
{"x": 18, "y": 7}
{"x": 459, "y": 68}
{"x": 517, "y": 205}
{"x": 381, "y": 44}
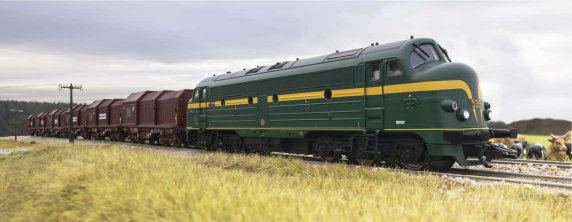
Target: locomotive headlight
{"x": 463, "y": 114}
{"x": 449, "y": 105}
{"x": 487, "y": 105}
{"x": 487, "y": 111}
{"x": 488, "y": 114}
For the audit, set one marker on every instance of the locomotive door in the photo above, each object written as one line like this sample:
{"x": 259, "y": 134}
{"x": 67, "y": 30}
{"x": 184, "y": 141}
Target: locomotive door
{"x": 374, "y": 95}
{"x": 202, "y": 112}
{"x": 262, "y": 111}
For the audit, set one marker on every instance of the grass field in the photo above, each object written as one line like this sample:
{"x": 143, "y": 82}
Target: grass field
{"x": 102, "y": 183}
{"x": 532, "y": 139}
{"x": 10, "y": 144}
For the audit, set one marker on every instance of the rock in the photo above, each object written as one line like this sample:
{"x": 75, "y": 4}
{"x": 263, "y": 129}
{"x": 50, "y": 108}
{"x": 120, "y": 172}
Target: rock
{"x": 9, "y": 151}
{"x": 5, "y": 152}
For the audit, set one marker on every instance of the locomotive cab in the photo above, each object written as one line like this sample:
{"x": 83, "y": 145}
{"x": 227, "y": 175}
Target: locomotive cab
{"x": 443, "y": 106}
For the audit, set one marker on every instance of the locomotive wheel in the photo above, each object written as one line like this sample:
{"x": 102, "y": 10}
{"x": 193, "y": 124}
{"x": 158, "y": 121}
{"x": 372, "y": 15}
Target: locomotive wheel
{"x": 431, "y": 165}
{"x": 441, "y": 165}
{"x": 362, "y": 158}
{"x": 325, "y": 150}
{"x": 413, "y": 166}
{"x": 412, "y": 155}
{"x": 235, "y": 145}
{"x": 366, "y": 162}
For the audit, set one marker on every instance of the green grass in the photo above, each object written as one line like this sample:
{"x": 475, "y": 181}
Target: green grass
{"x": 532, "y": 139}
{"x": 101, "y": 183}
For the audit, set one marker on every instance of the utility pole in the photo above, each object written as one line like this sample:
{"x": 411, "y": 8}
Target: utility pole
{"x": 17, "y": 111}
{"x": 71, "y": 87}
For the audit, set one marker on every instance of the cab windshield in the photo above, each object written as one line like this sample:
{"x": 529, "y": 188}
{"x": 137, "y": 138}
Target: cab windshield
{"x": 422, "y": 54}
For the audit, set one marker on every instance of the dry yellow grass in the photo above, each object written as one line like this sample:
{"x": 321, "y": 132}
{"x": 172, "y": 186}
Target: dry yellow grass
{"x": 101, "y": 183}
{"x": 10, "y": 144}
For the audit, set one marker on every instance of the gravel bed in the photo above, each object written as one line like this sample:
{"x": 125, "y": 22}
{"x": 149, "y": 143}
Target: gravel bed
{"x": 529, "y": 168}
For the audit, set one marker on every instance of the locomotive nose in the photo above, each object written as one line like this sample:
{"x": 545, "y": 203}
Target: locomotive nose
{"x": 457, "y": 71}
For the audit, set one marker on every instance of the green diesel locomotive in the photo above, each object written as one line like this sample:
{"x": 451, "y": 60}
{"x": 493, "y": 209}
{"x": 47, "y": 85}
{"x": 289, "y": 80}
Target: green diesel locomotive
{"x": 403, "y": 103}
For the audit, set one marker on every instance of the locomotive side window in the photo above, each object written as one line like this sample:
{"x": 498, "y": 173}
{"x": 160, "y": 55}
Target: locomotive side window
{"x": 394, "y": 69}
{"x": 197, "y": 93}
{"x": 422, "y": 54}
{"x": 375, "y": 74}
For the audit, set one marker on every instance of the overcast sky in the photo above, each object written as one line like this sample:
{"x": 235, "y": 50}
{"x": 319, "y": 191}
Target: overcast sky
{"x": 521, "y": 50}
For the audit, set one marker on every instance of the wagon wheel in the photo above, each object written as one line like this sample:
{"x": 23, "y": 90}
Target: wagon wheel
{"x": 167, "y": 142}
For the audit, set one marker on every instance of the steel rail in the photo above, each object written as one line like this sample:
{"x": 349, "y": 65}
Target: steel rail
{"x": 533, "y": 162}
{"x": 567, "y": 186}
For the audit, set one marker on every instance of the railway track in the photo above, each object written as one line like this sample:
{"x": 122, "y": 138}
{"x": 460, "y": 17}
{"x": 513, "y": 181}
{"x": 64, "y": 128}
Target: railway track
{"x": 518, "y": 178}
{"x": 548, "y": 181}
{"x": 564, "y": 165}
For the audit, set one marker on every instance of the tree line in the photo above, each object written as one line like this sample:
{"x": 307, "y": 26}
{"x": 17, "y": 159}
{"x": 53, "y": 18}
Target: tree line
{"x": 10, "y": 120}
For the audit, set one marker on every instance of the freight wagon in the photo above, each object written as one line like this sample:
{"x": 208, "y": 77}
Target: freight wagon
{"x": 64, "y": 118}
{"x": 156, "y": 117}
{"x": 30, "y": 123}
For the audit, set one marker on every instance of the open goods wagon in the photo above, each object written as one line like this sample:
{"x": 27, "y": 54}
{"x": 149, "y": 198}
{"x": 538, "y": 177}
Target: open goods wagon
{"x": 30, "y": 123}
{"x": 157, "y": 117}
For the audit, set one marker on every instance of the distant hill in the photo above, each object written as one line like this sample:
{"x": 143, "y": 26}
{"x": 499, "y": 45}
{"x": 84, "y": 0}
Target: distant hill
{"x": 498, "y": 125}
{"x": 535, "y": 126}
{"x": 8, "y": 119}
{"x": 542, "y": 126}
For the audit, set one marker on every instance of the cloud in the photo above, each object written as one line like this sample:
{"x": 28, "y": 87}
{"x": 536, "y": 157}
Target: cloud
{"x": 520, "y": 49}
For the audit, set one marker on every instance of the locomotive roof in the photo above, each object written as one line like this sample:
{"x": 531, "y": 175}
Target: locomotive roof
{"x": 339, "y": 58}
